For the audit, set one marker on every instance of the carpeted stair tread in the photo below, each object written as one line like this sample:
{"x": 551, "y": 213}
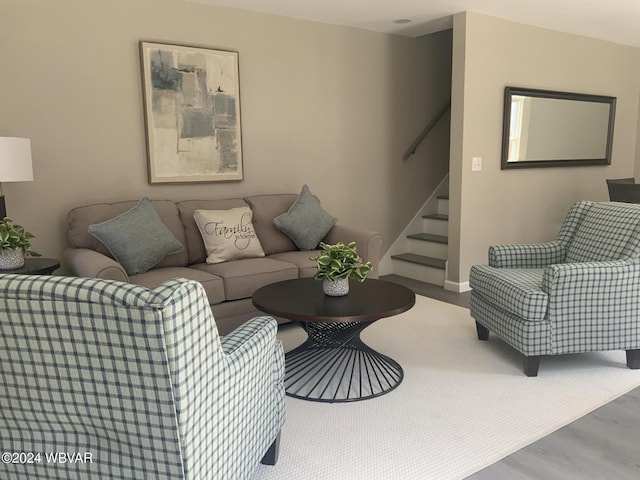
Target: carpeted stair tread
{"x": 421, "y": 260}
{"x": 429, "y": 237}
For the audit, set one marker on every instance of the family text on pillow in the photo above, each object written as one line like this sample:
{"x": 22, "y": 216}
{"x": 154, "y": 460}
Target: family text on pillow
{"x": 228, "y": 234}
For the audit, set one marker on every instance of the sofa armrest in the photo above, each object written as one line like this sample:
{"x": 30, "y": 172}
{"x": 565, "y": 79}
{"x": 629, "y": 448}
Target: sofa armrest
{"x": 89, "y": 263}
{"x": 369, "y": 243}
{"x": 526, "y": 255}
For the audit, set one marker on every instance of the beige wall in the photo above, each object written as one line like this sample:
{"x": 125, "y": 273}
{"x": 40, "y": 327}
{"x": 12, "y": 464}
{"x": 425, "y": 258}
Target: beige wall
{"x": 637, "y": 162}
{"x": 495, "y": 206}
{"x": 329, "y": 106}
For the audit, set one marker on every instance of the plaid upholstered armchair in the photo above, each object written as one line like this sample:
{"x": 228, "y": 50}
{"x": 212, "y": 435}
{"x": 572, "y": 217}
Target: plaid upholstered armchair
{"x": 578, "y": 293}
{"x": 106, "y": 380}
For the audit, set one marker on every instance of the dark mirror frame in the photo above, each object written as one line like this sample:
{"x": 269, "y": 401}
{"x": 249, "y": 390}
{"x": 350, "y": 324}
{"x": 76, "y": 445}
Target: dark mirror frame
{"x": 509, "y": 92}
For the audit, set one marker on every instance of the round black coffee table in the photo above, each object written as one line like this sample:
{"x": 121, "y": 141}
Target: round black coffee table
{"x": 334, "y": 364}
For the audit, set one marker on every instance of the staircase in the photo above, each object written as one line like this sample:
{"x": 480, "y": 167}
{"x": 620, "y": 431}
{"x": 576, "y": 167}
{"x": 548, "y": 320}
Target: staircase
{"x": 422, "y": 255}
{"x": 425, "y": 258}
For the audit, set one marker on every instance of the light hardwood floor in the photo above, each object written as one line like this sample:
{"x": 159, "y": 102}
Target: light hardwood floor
{"x": 603, "y": 445}
{"x": 430, "y": 290}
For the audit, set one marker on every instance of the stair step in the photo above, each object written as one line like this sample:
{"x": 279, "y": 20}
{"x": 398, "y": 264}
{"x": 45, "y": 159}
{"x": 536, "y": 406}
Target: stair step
{"x": 429, "y": 237}
{"x": 420, "y": 267}
{"x": 428, "y": 244}
{"x": 421, "y": 260}
{"x": 443, "y": 204}
{"x": 436, "y": 216}
{"x": 436, "y": 223}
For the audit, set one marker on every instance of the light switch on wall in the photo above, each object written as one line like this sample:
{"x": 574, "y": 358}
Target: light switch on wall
{"x": 476, "y": 164}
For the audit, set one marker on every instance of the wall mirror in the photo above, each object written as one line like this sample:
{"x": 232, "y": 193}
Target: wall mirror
{"x": 543, "y": 128}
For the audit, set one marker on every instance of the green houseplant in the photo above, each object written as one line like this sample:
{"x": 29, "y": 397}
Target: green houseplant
{"x": 337, "y": 264}
{"x": 15, "y": 244}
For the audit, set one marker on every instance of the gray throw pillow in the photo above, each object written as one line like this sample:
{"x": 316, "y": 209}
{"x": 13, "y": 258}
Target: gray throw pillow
{"x": 306, "y": 223}
{"x": 137, "y": 239}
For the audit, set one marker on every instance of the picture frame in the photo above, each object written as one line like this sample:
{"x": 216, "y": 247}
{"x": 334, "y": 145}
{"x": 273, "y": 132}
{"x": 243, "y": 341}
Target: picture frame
{"x": 191, "y": 101}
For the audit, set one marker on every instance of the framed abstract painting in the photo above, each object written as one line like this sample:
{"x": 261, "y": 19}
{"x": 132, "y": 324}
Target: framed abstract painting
{"x": 192, "y": 113}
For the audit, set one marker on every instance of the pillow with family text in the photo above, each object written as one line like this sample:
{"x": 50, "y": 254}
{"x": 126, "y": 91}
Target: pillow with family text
{"x": 228, "y": 234}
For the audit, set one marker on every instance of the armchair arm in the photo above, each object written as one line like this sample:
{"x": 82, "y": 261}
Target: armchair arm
{"x": 368, "y": 242}
{"x": 229, "y": 391}
{"x": 526, "y": 255}
{"x": 594, "y": 305}
{"x": 89, "y": 263}
{"x": 594, "y": 281}
{"x": 244, "y": 338}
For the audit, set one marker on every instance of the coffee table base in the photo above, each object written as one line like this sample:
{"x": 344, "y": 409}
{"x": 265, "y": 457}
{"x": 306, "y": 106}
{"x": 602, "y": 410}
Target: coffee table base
{"x": 335, "y": 365}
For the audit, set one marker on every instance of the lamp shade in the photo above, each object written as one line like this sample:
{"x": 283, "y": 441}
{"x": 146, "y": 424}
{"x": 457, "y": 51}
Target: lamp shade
{"x": 15, "y": 160}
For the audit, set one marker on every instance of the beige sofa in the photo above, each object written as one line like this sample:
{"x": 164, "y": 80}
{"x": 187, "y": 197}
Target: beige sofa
{"x": 229, "y": 285}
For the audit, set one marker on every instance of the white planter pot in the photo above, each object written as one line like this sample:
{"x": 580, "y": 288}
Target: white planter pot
{"x": 10, "y": 259}
{"x": 336, "y": 288}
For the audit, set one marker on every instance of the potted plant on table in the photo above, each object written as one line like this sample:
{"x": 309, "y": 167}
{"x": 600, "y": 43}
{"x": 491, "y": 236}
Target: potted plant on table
{"x": 337, "y": 264}
{"x": 15, "y": 244}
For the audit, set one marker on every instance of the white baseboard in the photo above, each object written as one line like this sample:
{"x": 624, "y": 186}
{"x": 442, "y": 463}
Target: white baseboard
{"x": 456, "y": 286}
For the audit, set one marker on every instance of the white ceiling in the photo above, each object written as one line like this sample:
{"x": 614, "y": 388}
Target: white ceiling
{"x": 613, "y": 20}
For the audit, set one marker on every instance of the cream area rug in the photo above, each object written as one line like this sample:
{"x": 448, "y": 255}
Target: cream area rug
{"x": 463, "y": 404}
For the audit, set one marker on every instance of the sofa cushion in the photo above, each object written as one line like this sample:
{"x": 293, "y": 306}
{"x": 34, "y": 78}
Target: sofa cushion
{"x": 137, "y": 238}
{"x": 306, "y": 222}
{"x": 243, "y": 277}
{"x": 212, "y": 284}
{"x": 608, "y": 231}
{"x": 302, "y": 260}
{"x": 228, "y": 234}
{"x": 265, "y": 209}
{"x": 515, "y": 290}
{"x": 80, "y": 218}
{"x": 196, "y": 253}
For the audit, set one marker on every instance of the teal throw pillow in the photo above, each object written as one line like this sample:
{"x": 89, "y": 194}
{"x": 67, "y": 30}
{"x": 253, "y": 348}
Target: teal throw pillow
{"x": 138, "y": 239}
{"x": 306, "y": 223}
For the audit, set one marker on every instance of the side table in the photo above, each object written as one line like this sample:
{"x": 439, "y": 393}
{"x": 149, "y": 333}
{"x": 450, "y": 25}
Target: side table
{"x": 36, "y": 266}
